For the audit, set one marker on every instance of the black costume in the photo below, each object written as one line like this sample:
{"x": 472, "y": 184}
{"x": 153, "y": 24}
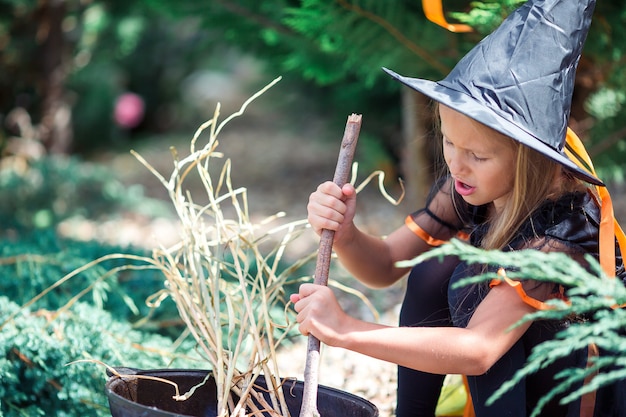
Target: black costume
{"x": 569, "y": 225}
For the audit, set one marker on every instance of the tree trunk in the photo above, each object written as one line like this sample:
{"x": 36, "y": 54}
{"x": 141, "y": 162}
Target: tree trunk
{"x": 56, "y": 115}
{"x": 418, "y": 159}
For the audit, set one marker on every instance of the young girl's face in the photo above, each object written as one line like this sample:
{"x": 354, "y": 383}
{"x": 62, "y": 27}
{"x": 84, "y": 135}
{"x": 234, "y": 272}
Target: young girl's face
{"x": 481, "y": 160}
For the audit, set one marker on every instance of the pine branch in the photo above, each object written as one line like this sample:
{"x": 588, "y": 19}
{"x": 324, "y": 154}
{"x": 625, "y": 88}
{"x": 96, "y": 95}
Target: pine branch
{"x": 259, "y": 19}
{"x": 398, "y": 35}
{"x": 590, "y": 293}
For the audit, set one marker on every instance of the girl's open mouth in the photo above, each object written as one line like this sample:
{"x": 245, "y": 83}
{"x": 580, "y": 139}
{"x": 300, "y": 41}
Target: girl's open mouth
{"x": 462, "y": 188}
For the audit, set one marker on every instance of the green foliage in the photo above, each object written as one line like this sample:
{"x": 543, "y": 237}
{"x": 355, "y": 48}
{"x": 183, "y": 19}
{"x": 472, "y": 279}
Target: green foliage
{"x": 96, "y": 87}
{"x": 36, "y": 347}
{"x": 608, "y": 147}
{"x": 606, "y": 49}
{"x": 53, "y": 189}
{"x": 36, "y": 355}
{"x": 606, "y": 103}
{"x": 105, "y": 48}
{"x": 149, "y": 55}
{"x": 486, "y": 16}
{"x": 591, "y": 295}
{"x": 330, "y": 51}
{"x": 337, "y": 50}
{"x": 41, "y": 258}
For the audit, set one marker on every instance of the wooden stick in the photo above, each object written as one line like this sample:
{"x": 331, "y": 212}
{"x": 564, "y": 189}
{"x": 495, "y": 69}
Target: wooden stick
{"x": 322, "y": 267}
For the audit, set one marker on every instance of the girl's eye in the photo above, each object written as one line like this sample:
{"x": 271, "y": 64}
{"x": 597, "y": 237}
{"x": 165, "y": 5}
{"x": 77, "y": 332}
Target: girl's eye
{"x": 477, "y": 158}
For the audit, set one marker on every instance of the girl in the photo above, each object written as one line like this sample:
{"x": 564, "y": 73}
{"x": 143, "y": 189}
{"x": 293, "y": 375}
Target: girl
{"x": 483, "y": 171}
{"x": 509, "y": 184}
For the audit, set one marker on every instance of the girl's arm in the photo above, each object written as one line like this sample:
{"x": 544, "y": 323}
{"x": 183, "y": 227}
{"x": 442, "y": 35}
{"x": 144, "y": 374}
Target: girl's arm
{"x": 372, "y": 259}
{"x": 442, "y": 350}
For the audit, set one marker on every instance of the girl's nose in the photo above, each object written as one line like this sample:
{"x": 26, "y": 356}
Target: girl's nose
{"x": 456, "y": 166}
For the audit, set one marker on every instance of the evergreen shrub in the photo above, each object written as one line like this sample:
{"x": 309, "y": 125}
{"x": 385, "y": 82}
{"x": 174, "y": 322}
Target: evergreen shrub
{"x": 37, "y": 358}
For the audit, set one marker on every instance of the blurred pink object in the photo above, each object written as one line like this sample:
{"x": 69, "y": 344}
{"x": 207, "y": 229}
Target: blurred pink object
{"x": 129, "y": 110}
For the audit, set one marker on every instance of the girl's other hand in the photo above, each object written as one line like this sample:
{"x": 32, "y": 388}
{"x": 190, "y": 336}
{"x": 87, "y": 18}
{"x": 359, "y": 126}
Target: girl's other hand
{"x": 319, "y": 313}
{"x": 332, "y": 207}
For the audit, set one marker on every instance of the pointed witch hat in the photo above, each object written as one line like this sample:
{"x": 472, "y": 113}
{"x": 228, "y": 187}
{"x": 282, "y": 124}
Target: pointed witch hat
{"x": 519, "y": 80}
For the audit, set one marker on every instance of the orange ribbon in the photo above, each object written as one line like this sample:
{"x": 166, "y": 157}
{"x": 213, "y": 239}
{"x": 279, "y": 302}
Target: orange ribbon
{"x": 433, "y": 9}
{"x": 415, "y": 228}
{"x": 609, "y": 228}
{"x": 517, "y": 286}
{"x": 422, "y": 234}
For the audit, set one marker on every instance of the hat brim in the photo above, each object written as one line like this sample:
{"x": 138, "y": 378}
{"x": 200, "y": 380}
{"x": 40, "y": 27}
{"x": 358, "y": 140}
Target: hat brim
{"x": 470, "y": 107}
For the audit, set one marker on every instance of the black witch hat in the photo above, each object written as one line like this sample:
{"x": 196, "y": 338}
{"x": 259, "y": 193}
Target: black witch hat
{"x": 519, "y": 80}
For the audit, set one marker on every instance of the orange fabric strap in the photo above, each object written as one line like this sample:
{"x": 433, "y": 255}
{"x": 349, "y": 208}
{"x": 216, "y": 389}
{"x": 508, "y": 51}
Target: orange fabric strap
{"x": 433, "y": 9}
{"x": 519, "y": 289}
{"x": 609, "y": 228}
{"x": 415, "y": 228}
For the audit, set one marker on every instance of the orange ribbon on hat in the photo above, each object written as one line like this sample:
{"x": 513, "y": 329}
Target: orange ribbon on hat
{"x": 609, "y": 228}
{"x": 433, "y": 9}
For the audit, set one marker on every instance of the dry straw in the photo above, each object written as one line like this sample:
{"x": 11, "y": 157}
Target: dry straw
{"x": 229, "y": 292}
{"x": 225, "y": 278}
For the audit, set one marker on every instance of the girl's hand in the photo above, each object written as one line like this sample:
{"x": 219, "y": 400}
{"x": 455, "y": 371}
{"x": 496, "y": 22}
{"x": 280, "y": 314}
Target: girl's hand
{"x": 332, "y": 207}
{"x": 319, "y": 314}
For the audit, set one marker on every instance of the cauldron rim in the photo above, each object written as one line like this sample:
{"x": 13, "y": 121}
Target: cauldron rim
{"x": 350, "y": 404}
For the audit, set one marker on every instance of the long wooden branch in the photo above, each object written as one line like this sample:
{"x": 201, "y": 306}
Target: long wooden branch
{"x": 322, "y": 267}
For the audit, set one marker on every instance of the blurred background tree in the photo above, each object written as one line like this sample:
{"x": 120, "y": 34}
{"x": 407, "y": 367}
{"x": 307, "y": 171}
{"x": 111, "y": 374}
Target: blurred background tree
{"x": 82, "y": 75}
